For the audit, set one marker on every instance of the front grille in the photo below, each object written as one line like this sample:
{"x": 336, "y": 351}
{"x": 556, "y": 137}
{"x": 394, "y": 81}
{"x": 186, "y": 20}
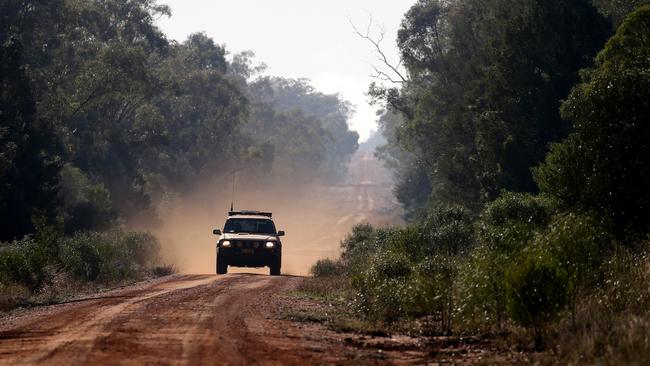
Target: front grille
{"x": 247, "y": 244}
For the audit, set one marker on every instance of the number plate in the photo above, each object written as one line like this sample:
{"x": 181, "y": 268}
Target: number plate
{"x": 247, "y": 251}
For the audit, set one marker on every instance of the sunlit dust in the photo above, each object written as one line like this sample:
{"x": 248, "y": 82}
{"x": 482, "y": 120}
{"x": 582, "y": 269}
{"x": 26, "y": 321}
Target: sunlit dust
{"x": 316, "y": 218}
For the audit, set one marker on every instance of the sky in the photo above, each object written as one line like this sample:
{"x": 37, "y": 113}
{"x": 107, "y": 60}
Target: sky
{"x": 300, "y": 39}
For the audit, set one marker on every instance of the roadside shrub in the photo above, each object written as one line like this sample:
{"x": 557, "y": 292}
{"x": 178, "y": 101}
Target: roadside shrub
{"x": 109, "y": 256}
{"x": 362, "y": 244}
{"x": 580, "y": 243}
{"x": 481, "y": 294}
{"x": 612, "y": 323}
{"x": 450, "y": 230}
{"x": 23, "y": 262}
{"x": 383, "y": 290}
{"x": 80, "y": 254}
{"x": 327, "y": 268}
{"x": 163, "y": 270}
{"x": 505, "y": 228}
{"x": 359, "y": 242}
{"x": 410, "y": 271}
{"x": 412, "y": 241}
{"x": 143, "y": 248}
{"x": 434, "y": 283}
{"x": 509, "y": 223}
{"x": 536, "y": 289}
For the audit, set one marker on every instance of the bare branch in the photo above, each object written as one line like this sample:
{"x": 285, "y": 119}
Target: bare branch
{"x": 380, "y": 75}
{"x": 382, "y": 56}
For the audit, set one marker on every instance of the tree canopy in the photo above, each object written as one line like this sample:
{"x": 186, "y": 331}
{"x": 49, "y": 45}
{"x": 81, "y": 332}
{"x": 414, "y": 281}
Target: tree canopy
{"x": 102, "y": 115}
{"x": 485, "y": 81}
{"x": 603, "y": 165}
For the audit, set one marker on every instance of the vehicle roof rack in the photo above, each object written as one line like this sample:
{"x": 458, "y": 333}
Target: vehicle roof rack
{"x": 250, "y": 212}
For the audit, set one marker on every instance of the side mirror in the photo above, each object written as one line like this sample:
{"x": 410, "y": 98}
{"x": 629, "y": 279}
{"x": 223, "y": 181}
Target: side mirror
{"x": 216, "y": 232}
{"x": 281, "y": 233}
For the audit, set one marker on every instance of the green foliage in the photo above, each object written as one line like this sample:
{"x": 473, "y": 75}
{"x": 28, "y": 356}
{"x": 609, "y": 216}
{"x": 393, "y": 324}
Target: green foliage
{"x": 359, "y": 244}
{"x": 102, "y": 116}
{"x": 28, "y": 162}
{"x": 603, "y": 166}
{"x": 435, "y": 288}
{"x": 382, "y": 289}
{"x": 110, "y": 256}
{"x": 327, "y": 268}
{"x": 450, "y": 230}
{"x": 508, "y": 223}
{"x": 537, "y": 287}
{"x": 86, "y": 205}
{"x": 481, "y": 101}
{"x": 409, "y": 271}
{"x": 617, "y": 10}
{"x": 23, "y": 262}
{"x": 505, "y": 228}
{"x": 580, "y": 242}
{"x": 321, "y": 142}
{"x": 612, "y": 321}
{"x": 412, "y": 185}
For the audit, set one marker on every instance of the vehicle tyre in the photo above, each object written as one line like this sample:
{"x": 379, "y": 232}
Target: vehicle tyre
{"x": 275, "y": 265}
{"x": 222, "y": 266}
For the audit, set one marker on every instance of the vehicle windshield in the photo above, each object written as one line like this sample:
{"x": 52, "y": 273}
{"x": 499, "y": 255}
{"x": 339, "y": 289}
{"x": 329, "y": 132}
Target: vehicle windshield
{"x": 252, "y": 226}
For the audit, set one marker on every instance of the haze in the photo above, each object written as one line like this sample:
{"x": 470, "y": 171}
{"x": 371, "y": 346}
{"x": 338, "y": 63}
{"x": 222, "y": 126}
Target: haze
{"x": 299, "y": 39}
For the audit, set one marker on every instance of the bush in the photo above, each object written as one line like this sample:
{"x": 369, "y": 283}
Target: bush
{"x": 536, "y": 289}
{"x": 163, "y": 270}
{"x": 23, "y": 262}
{"x": 450, "y": 229}
{"x": 383, "y": 290}
{"x": 359, "y": 244}
{"x": 109, "y": 256}
{"x": 327, "y": 268}
{"x": 408, "y": 271}
{"x": 434, "y": 283}
{"x": 511, "y": 221}
{"x": 580, "y": 243}
{"x": 505, "y": 228}
{"x": 612, "y": 323}
{"x": 362, "y": 244}
{"x": 412, "y": 241}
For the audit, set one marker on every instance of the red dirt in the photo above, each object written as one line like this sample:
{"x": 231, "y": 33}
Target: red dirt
{"x": 236, "y": 319}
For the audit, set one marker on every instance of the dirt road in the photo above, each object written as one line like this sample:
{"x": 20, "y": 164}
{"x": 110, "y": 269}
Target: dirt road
{"x": 185, "y": 319}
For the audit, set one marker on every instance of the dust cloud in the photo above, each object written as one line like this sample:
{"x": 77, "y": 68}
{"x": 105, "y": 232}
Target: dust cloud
{"x": 315, "y": 217}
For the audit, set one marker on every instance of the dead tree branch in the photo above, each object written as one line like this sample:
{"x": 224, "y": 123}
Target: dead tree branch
{"x": 395, "y": 76}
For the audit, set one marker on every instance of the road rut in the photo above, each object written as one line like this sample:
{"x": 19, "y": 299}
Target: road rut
{"x": 185, "y": 319}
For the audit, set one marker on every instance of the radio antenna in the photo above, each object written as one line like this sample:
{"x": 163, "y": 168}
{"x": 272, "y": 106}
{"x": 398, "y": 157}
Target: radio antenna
{"x": 232, "y": 195}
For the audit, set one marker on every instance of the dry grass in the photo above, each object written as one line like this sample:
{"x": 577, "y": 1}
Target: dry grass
{"x": 613, "y": 322}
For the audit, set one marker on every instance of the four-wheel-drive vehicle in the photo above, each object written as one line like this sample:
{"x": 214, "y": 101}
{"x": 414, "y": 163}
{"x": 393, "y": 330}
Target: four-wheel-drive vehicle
{"x": 249, "y": 239}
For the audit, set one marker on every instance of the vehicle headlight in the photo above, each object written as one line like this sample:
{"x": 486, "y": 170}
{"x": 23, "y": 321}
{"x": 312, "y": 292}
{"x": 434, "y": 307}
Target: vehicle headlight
{"x": 270, "y": 244}
{"x": 225, "y": 244}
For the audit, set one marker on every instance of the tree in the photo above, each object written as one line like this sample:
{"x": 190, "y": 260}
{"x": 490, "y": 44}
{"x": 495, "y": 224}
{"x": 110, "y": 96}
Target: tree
{"x": 603, "y": 166}
{"x": 484, "y": 83}
{"x": 302, "y": 126}
{"x": 617, "y": 10}
{"x": 412, "y": 184}
{"x": 29, "y": 164}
